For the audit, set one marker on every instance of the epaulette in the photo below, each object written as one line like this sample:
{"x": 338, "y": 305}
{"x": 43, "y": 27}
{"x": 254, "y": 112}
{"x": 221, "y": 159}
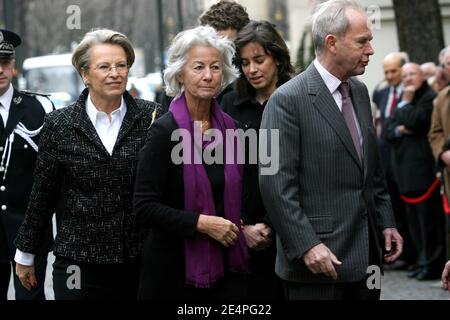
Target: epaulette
{"x": 31, "y": 93}
{"x": 43, "y": 98}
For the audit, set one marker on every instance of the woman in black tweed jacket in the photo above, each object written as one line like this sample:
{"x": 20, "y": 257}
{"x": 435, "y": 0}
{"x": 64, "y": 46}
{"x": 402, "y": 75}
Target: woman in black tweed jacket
{"x": 86, "y": 167}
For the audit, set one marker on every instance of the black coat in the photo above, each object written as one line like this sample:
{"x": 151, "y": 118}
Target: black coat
{"x": 412, "y": 161}
{"x": 161, "y": 220}
{"x": 15, "y": 187}
{"x": 95, "y": 209}
{"x": 247, "y": 112}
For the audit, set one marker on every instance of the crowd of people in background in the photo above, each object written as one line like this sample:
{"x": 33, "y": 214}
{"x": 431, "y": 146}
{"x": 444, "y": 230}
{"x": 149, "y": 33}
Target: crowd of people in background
{"x": 351, "y": 190}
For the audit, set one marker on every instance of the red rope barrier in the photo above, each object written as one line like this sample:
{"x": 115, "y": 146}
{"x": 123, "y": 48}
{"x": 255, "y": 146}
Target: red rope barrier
{"x": 423, "y": 197}
{"x": 446, "y": 205}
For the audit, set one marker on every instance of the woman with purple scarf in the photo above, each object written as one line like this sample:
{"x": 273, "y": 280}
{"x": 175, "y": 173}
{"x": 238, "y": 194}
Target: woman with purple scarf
{"x": 189, "y": 181}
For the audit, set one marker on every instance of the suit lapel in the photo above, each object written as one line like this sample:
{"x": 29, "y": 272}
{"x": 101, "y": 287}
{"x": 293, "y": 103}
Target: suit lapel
{"x": 84, "y": 124}
{"x": 16, "y": 113}
{"x": 383, "y": 102}
{"x": 361, "y": 114}
{"x": 324, "y": 102}
{"x": 133, "y": 113}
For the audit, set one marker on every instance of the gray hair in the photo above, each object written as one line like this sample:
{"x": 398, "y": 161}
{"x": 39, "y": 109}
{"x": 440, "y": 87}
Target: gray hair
{"x": 81, "y": 56}
{"x": 329, "y": 18}
{"x": 442, "y": 55}
{"x": 184, "y": 42}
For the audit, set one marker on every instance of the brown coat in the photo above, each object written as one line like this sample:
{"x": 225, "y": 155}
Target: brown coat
{"x": 439, "y": 135}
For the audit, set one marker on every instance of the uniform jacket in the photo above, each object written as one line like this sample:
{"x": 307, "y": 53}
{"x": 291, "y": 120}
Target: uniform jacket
{"x": 15, "y": 186}
{"x": 92, "y": 189}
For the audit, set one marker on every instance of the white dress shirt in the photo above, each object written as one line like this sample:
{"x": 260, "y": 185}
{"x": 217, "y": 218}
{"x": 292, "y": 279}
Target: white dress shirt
{"x": 333, "y": 84}
{"x": 398, "y": 90}
{"x": 5, "y": 101}
{"x": 107, "y": 130}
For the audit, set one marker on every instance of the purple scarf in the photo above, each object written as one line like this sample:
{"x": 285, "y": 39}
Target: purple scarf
{"x": 203, "y": 255}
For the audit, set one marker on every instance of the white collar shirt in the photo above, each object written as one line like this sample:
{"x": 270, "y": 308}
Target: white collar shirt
{"x": 107, "y": 130}
{"x": 399, "y": 90}
{"x": 5, "y": 101}
{"x": 333, "y": 84}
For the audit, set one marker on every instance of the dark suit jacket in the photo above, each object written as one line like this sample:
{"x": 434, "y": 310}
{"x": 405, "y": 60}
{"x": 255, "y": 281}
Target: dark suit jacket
{"x": 380, "y": 98}
{"x": 95, "y": 188}
{"x": 16, "y": 185}
{"x": 321, "y": 192}
{"x": 412, "y": 160}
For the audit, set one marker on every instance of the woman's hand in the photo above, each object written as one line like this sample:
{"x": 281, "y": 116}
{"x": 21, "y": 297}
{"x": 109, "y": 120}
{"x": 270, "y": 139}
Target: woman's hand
{"x": 26, "y": 276}
{"x": 218, "y": 228}
{"x": 258, "y": 236}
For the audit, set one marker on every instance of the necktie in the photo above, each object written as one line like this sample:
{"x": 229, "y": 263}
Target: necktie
{"x": 393, "y": 103}
{"x": 347, "y": 112}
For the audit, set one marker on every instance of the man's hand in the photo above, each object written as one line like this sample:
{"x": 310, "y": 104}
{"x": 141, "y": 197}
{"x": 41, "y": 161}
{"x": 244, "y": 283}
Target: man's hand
{"x": 408, "y": 94}
{"x": 445, "y": 157}
{"x": 218, "y": 228}
{"x": 320, "y": 259}
{"x": 258, "y": 236}
{"x": 404, "y": 131}
{"x": 393, "y": 243}
{"x": 446, "y": 277}
{"x": 26, "y": 276}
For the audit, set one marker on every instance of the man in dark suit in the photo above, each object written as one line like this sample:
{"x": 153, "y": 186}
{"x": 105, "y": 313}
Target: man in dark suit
{"x": 328, "y": 202}
{"x": 22, "y": 116}
{"x": 387, "y": 97}
{"x": 413, "y": 165}
{"x": 386, "y": 100}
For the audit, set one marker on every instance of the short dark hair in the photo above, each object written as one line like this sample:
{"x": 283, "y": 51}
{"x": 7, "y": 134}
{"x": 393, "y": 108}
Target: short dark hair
{"x": 225, "y": 14}
{"x": 265, "y": 34}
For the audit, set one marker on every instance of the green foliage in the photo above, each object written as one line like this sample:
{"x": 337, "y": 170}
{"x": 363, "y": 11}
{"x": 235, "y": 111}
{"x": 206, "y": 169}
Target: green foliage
{"x": 305, "y": 53}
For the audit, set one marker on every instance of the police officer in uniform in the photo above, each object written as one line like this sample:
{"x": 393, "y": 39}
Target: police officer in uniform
{"x": 21, "y": 117}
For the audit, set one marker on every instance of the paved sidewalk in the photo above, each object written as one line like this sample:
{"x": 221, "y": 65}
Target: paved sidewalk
{"x": 397, "y": 286}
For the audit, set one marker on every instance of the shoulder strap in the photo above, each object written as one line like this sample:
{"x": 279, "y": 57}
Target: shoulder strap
{"x": 43, "y": 98}
{"x": 46, "y": 103}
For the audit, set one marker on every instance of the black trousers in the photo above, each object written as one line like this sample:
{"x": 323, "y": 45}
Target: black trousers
{"x": 263, "y": 282}
{"x": 426, "y": 226}
{"x": 339, "y": 291}
{"x": 73, "y": 280}
{"x": 37, "y": 293}
{"x": 399, "y": 207}
{"x": 233, "y": 286}
{"x": 5, "y": 275}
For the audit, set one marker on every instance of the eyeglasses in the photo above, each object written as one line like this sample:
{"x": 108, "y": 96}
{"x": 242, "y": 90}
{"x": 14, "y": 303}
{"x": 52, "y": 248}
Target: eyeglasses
{"x": 106, "y": 68}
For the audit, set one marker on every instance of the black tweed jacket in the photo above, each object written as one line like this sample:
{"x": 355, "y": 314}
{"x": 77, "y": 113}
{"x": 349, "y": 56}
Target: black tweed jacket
{"x": 92, "y": 189}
